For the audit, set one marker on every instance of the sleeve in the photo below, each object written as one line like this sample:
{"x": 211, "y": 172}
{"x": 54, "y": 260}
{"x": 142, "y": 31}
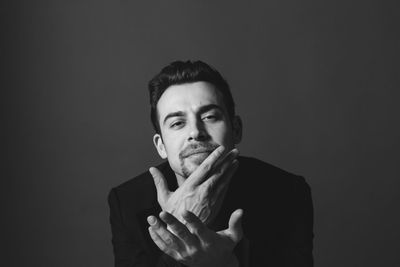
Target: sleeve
{"x": 300, "y": 240}
{"x": 127, "y": 253}
{"x": 129, "y": 243}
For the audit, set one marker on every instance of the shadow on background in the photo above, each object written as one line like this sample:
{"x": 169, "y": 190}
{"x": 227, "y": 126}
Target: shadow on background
{"x": 316, "y": 84}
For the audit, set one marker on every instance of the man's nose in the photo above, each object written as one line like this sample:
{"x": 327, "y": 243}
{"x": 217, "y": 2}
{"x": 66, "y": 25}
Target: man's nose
{"x": 197, "y": 131}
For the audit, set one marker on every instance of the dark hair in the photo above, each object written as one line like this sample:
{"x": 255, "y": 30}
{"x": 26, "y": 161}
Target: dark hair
{"x": 180, "y": 72}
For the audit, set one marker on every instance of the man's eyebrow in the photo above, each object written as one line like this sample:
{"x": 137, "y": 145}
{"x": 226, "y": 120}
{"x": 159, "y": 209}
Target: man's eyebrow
{"x": 209, "y": 107}
{"x": 173, "y": 114}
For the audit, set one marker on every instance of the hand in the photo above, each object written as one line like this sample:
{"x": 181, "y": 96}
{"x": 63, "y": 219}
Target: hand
{"x": 194, "y": 244}
{"x": 203, "y": 191}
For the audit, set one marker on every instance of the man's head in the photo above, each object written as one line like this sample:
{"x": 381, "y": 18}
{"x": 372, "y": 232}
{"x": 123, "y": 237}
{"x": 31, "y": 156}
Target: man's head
{"x": 192, "y": 111}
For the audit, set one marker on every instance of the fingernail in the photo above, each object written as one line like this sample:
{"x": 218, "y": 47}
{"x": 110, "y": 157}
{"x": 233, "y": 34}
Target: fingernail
{"x": 151, "y": 220}
{"x": 163, "y": 215}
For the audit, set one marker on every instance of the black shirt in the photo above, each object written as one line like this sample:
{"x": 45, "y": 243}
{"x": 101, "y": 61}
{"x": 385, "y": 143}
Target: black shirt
{"x": 277, "y": 220}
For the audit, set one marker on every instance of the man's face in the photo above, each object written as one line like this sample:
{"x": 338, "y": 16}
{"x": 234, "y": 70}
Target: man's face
{"x": 193, "y": 121}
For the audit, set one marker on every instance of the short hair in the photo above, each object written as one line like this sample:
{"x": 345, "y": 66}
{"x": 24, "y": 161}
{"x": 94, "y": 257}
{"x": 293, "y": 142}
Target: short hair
{"x": 181, "y": 72}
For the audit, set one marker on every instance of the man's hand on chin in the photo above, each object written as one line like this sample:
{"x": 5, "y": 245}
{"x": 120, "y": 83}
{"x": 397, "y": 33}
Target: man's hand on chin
{"x": 194, "y": 244}
{"x": 203, "y": 191}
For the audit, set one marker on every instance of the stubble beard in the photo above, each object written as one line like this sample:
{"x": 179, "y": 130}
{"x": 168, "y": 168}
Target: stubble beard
{"x": 190, "y": 163}
{"x": 195, "y": 163}
{"x": 185, "y": 170}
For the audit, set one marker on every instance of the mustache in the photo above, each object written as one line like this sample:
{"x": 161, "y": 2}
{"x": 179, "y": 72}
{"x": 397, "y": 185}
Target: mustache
{"x": 197, "y": 148}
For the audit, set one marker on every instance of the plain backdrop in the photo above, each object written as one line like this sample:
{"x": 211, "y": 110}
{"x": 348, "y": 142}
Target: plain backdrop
{"x": 316, "y": 84}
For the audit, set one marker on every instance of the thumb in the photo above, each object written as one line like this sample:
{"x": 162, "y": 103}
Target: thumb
{"x": 235, "y": 225}
{"x": 160, "y": 183}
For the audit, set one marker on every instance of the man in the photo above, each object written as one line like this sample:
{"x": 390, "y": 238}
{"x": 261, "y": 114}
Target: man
{"x": 207, "y": 206}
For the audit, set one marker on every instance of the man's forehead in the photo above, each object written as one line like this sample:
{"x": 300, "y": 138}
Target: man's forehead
{"x": 186, "y": 97}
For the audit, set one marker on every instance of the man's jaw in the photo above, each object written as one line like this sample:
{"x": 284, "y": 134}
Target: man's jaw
{"x": 192, "y": 156}
{"x": 190, "y": 163}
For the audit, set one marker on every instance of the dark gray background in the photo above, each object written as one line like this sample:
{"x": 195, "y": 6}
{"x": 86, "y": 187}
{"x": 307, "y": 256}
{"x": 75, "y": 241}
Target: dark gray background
{"x": 316, "y": 84}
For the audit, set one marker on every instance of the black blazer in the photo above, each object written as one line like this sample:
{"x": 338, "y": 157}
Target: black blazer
{"x": 277, "y": 221}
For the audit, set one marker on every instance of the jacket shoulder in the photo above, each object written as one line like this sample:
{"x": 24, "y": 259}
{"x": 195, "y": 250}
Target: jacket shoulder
{"x": 256, "y": 166}
{"x": 135, "y": 183}
{"x": 139, "y": 182}
{"x": 260, "y": 176}
{"x": 138, "y": 192}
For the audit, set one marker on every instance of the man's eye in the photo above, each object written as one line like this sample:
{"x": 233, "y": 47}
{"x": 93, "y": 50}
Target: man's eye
{"x": 176, "y": 124}
{"x": 210, "y": 118}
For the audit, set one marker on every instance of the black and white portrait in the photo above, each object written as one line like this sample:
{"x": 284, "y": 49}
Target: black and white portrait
{"x": 200, "y": 133}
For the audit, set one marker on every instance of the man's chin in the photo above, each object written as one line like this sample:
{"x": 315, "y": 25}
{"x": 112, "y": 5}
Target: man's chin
{"x": 191, "y": 163}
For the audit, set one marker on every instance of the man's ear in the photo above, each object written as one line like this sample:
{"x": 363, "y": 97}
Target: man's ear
{"x": 237, "y": 129}
{"x": 159, "y": 144}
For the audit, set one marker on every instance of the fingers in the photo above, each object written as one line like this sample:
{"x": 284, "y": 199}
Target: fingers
{"x": 158, "y": 240}
{"x": 220, "y": 180}
{"x": 228, "y": 157}
{"x": 212, "y": 162}
{"x": 235, "y": 230}
{"x": 195, "y": 225}
{"x": 178, "y": 228}
{"x": 200, "y": 174}
{"x": 163, "y": 238}
{"x": 160, "y": 183}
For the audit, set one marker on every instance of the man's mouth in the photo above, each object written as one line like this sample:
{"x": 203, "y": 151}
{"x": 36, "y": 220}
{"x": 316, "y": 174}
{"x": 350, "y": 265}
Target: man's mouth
{"x": 198, "y": 152}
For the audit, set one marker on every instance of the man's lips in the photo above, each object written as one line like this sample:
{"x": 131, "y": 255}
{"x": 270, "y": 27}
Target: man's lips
{"x": 198, "y": 151}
